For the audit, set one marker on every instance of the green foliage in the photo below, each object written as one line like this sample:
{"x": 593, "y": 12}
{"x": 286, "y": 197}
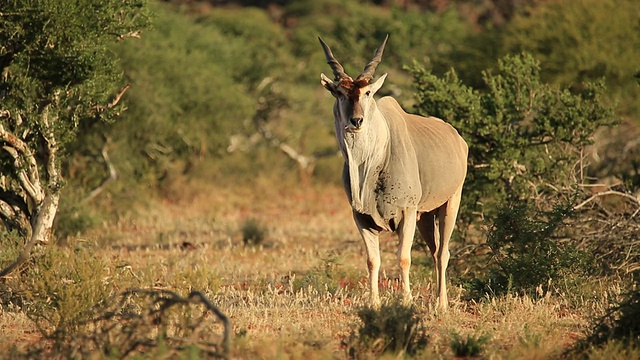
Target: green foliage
{"x": 429, "y": 38}
{"x": 203, "y": 79}
{"x": 525, "y": 137}
{"x": 527, "y": 141}
{"x": 575, "y": 41}
{"x": 531, "y": 249}
{"x": 268, "y": 55}
{"x": 393, "y": 328}
{"x": 42, "y": 37}
{"x": 72, "y": 222}
{"x": 200, "y": 80}
{"x": 330, "y": 277}
{"x": 178, "y": 112}
{"x": 619, "y": 324}
{"x": 470, "y": 346}
{"x": 253, "y": 232}
{"x": 12, "y": 244}
{"x": 63, "y": 286}
{"x": 351, "y": 28}
{"x": 354, "y": 29}
{"x": 58, "y": 78}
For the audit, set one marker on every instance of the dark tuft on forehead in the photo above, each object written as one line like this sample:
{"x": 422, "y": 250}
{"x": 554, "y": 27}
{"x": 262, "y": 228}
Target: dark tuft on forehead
{"x": 353, "y": 87}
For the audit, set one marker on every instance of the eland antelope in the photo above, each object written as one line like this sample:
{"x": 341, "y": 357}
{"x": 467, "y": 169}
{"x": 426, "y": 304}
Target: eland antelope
{"x": 400, "y": 171}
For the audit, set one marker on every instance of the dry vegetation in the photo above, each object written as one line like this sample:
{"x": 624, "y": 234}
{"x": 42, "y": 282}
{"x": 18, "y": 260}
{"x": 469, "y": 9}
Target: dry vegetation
{"x": 284, "y": 261}
{"x": 295, "y": 295}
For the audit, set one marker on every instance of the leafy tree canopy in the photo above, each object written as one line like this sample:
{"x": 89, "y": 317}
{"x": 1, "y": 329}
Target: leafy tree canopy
{"x": 58, "y": 74}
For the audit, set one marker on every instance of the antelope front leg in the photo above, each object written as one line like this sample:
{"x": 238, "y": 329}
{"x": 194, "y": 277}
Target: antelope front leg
{"x": 406, "y": 231}
{"x": 371, "y": 243}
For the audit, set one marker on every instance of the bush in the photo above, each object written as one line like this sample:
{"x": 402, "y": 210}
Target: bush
{"x": 330, "y": 277}
{"x": 187, "y": 97}
{"x": 619, "y": 324}
{"x": 12, "y": 243}
{"x": 470, "y": 346}
{"x": 531, "y": 249}
{"x": 393, "y": 328}
{"x": 62, "y": 286}
{"x": 253, "y": 232}
{"x": 526, "y": 138}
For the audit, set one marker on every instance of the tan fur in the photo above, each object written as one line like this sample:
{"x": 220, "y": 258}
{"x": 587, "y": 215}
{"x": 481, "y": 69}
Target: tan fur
{"x": 401, "y": 171}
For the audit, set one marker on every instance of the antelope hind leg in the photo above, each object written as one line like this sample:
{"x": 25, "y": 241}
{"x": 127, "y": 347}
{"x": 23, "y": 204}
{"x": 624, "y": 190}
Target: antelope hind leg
{"x": 426, "y": 225}
{"x": 447, "y": 215}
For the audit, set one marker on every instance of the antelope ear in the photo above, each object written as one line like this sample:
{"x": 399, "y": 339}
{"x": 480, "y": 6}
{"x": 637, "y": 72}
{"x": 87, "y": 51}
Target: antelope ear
{"x": 377, "y": 84}
{"x": 329, "y": 85}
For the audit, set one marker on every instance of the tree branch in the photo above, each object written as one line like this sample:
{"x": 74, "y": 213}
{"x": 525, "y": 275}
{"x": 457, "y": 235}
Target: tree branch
{"x": 130, "y": 34}
{"x": 7, "y": 212}
{"x": 305, "y": 162}
{"x": 14, "y": 200}
{"x": 41, "y": 230}
{"x": 19, "y": 150}
{"x": 113, "y": 175}
{"x": 15, "y": 216}
{"x": 115, "y": 101}
{"x": 604, "y": 193}
{"x": 47, "y": 207}
{"x": 53, "y": 177}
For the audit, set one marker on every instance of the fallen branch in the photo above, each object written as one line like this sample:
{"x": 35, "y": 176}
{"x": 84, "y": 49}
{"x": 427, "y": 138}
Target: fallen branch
{"x": 138, "y": 320}
{"x": 605, "y": 193}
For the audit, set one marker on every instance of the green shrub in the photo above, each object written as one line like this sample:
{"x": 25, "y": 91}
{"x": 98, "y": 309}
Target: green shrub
{"x": 620, "y": 324}
{"x": 187, "y": 97}
{"x": 253, "y": 232}
{"x": 61, "y": 287}
{"x": 73, "y": 221}
{"x": 330, "y": 277}
{"x": 469, "y": 346}
{"x": 530, "y": 249}
{"x": 394, "y": 328}
{"x": 11, "y": 243}
{"x": 525, "y": 137}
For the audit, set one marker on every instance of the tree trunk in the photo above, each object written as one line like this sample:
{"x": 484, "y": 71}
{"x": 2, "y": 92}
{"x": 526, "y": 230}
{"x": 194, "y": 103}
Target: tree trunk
{"x": 44, "y": 196}
{"x": 42, "y": 223}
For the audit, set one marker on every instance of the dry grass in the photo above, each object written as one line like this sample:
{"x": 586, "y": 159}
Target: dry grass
{"x": 296, "y": 295}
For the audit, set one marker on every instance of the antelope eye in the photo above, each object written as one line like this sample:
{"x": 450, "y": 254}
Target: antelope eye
{"x": 368, "y": 93}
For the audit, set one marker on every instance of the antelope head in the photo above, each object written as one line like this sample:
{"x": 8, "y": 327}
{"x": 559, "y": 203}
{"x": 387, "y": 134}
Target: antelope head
{"x": 354, "y": 98}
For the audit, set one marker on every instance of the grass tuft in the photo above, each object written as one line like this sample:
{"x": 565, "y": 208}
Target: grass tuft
{"x": 394, "y": 328}
{"x": 469, "y": 346}
{"x": 253, "y": 232}
{"x": 619, "y": 325}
